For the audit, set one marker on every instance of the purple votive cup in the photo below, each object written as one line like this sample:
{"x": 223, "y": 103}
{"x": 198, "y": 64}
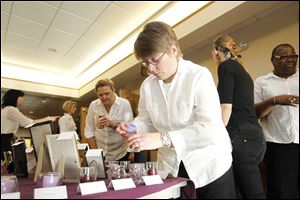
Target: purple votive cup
{"x": 8, "y": 185}
{"x": 131, "y": 129}
{"x": 51, "y": 179}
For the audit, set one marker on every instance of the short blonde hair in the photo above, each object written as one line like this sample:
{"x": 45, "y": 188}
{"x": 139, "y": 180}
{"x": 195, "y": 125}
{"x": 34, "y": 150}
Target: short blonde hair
{"x": 67, "y": 105}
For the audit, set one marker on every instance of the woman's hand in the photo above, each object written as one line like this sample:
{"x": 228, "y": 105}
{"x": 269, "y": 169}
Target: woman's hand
{"x": 122, "y": 130}
{"x": 145, "y": 141}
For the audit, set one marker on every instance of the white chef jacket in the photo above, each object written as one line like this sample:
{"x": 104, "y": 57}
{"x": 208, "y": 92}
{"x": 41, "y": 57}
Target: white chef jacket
{"x": 192, "y": 116}
{"x": 66, "y": 123}
{"x": 12, "y": 118}
{"x": 113, "y": 145}
{"x": 281, "y": 125}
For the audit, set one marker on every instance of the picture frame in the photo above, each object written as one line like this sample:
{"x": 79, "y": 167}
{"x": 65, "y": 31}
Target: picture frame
{"x": 38, "y": 132}
{"x": 63, "y": 148}
{"x": 95, "y": 158}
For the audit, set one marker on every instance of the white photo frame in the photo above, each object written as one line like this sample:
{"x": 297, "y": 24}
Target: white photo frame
{"x": 38, "y": 134}
{"x": 94, "y": 157}
{"x": 67, "y": 148}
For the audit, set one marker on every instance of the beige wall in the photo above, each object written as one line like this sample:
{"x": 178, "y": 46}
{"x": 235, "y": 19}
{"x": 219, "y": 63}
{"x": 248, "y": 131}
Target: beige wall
{"x": 262, "y": 37}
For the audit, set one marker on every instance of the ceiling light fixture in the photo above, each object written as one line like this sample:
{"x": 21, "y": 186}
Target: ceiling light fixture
{"x": 52, "y": 50}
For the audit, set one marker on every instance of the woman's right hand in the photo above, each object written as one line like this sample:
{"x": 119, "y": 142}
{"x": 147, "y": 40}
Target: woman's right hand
{"x": 122, "y": 130}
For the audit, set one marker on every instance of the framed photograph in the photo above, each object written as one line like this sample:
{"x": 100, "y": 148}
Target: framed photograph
{"x": 94, "y": 158}
{"x": 64, "y": 146}
{"x": 38, "y": 134}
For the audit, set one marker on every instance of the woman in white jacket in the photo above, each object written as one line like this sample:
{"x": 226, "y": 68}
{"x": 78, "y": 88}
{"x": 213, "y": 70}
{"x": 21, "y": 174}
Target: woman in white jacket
{"x": 66, "y": 123}
{"x": 179, "y": 113}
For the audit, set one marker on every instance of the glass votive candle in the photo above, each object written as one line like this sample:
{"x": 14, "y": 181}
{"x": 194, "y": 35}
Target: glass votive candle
{"x": 152, "y": 168}
{"x": 87, "y": 174}
{"x": 126, "y": 165}
{"x": 9, "y": 184}
{"x": 137, "y": 170}
{"x": 50, "y": 179}
{"x": 131, "y": 129}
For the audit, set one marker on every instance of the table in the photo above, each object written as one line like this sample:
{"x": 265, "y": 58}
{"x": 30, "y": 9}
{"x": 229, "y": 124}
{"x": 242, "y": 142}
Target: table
{"x": 169, "y": 189}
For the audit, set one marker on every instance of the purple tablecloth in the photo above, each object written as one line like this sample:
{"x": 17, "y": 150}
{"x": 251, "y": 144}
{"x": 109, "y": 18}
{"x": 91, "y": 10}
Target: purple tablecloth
{"x": 26, "y": 187}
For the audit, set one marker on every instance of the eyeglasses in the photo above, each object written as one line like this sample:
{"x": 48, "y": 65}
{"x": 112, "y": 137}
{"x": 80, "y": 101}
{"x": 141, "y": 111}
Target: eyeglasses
{"x": 285, "y": 58}
{"x": 152, "y": 61}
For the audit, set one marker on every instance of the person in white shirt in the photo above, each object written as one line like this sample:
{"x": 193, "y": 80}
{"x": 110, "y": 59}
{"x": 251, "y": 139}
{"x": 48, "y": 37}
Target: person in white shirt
{"x": 66, "y": 123}
{"x": 180, "y": 115}
{"x": 12, "y": 118}
{"x": 277, "y": 106}
{"x": 103, "y": 117}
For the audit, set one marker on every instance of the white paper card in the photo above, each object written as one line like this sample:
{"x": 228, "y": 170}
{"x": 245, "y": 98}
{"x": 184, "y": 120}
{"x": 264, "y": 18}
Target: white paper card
{"x": 152, "y": 180}
{"x": 93, "y": 152}
{"x": 92, "y": 187}
{"x": 82, "y": 146}
{"x": 59, "y": 192}
{"x": 67, "y": 135}
{"x": 28, "y": 150}
{"x": 13, "y": 195}
{"x": 121, "y": 184}
{"x": 16, "y": 144}
{"x": 29, "y": 125}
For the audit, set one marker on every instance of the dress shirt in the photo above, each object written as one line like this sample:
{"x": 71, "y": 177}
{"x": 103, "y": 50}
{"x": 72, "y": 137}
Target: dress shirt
{"x": 113, "y": 145}
{"x": 12, "y": 118}
{"x": 66, "y": 123}
{"x": 192, "y": 116}
{"x": 281, "y": 125}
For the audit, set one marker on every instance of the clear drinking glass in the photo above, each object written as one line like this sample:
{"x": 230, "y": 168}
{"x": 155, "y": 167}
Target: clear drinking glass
{"x": 152, "y": 168}
{"x": 126, "y": 165}
{"x": 87, "y": 174}
{"x": 137, "y": 170}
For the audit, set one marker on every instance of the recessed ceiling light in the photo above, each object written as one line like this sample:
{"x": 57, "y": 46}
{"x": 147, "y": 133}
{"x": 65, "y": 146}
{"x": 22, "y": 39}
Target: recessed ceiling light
{"x": 44, "y": 101}
{"x": 52, "y": 50}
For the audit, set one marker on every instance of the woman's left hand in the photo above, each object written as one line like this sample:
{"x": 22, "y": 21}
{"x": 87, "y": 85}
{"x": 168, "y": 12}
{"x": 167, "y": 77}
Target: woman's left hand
{"x": 145, "y": 141}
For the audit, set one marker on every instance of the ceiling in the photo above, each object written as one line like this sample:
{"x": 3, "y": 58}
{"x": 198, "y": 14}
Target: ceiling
{"x": 66, "y": 38}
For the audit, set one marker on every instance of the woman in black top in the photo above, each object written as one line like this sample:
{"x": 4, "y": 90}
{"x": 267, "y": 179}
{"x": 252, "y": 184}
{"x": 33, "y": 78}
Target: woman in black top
{"x": 236, "y": 91}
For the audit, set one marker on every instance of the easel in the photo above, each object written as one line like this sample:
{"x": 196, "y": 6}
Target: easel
{"x": 43, "y": 162}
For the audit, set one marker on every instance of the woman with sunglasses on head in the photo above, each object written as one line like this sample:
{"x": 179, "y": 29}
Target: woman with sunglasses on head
{"x": 277, "y": 106}
{"x": 236, "y": 91}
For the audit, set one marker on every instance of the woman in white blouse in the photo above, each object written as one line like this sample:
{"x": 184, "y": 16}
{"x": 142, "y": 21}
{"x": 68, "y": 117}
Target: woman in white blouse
{"x": 12, "y": 118}
{"x": 66, "y": 123}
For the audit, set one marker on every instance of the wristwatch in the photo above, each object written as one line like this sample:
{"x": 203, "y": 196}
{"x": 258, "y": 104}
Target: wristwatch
{"x": 165, "y": 139}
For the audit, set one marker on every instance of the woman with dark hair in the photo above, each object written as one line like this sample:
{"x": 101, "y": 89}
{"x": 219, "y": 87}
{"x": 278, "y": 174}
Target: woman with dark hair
{"x": 12, "y": 118}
